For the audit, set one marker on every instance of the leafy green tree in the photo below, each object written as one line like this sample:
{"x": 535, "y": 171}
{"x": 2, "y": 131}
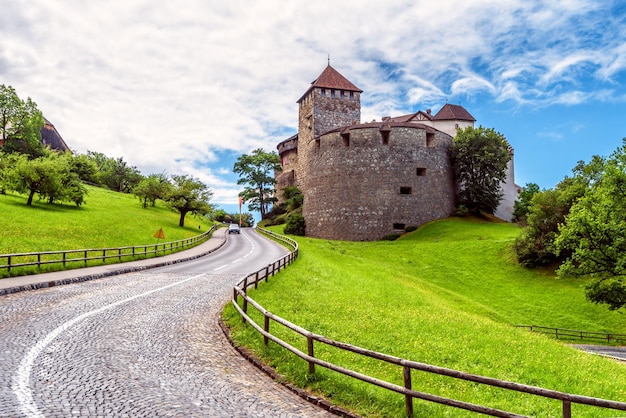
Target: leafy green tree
{"x": 536, "y": 245}
{"x": 220, "y": 215}
{"x": 521, "y": 205}
{"x": 479, "y": 158}
{"x": 151, "y": 188}
{"x": 115, "y": 174}
{"x": 594, "y": 234}
{"x": 84, "y": 167}
{"x": 189, "y": 195}
{"x": 20, "y": 124}
{"x": 8, "y": 162}
{"x": 49, "y": 177}
{"x": 256, "y": 171}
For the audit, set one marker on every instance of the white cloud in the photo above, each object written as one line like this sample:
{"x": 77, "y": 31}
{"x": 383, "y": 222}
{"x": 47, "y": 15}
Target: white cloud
{"x": 168, "y": 85}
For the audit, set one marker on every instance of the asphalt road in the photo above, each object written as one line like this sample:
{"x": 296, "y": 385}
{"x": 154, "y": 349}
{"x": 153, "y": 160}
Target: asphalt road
{"x": 144, "y": 344}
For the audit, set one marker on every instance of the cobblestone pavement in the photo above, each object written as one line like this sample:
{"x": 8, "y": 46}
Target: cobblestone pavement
{"x": 135, "y": 345}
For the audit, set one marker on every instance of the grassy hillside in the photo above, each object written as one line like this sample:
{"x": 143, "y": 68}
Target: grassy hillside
{"x": 108, "y": 219}
{"x": 447, "y": 295}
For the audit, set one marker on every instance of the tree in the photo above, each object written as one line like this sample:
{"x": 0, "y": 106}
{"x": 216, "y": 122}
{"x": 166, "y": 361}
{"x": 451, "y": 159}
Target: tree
{"x": 521, "y": 205}
{"x": 50, "y": 177}
{"x": 151, "y": 188}
{"x": 594, "y": 233}
{"x": 189, "y": 195}
{"x": 479, "y": 158}
{"x": 20, "y": 124}
{"x": 257, "y": 172}
{"x": 536, "y": 245}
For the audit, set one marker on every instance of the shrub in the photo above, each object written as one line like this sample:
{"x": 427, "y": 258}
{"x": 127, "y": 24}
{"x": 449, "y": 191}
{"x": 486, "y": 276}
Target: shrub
{"x": 295, "y": 225}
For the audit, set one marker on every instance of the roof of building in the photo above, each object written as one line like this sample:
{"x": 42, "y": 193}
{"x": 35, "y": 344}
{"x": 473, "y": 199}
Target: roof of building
{"x": 331, "y": 79}
{"x": 453, "y": 112}
{"x": 51, "y": 137}
{"x": 419, "y": 115}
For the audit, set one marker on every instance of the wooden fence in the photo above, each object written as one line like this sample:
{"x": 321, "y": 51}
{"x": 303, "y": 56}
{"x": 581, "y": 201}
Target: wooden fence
{"x": 405, "y": 366}
{"x": 98, "y": 255}
{"x": 572, "y": 334}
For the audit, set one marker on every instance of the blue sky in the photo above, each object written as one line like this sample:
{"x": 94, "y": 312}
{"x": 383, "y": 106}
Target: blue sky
{"x": 186, "y": 87}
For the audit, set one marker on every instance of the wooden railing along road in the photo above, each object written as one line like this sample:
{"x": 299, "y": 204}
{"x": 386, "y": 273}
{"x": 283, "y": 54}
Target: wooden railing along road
{"x": 405, "y": 366}
{"x": 99, "y": 255}
{"x": 572, "y": 334}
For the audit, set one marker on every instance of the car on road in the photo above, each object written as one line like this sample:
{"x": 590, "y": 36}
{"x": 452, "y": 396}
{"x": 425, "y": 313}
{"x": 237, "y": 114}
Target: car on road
{"x": 233, "y": 229}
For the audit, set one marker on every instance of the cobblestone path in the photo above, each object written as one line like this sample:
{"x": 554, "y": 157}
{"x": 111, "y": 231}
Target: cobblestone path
{"x": 135, "y": 345}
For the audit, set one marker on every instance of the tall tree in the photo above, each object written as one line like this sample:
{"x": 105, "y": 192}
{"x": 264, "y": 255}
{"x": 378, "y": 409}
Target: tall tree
{"x": 548, "y": 209}
{"x": 151, "y": 188}
{"x": 479, "y": 157}
{"x": 594, "y": 233}
{"x": 50, "y": 177}
{"x": 20, "y": 124}
{"x": 256, "y": 171}
{"x": 189, "y": 195}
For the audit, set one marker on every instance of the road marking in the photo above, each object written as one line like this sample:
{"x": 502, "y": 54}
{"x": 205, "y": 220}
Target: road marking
{"x": 21, "y": 379}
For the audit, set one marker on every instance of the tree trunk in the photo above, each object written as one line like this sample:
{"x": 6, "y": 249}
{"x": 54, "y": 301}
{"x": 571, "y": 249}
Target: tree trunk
{"x": 181, "y": 222}
{"x": 30, "y": 198}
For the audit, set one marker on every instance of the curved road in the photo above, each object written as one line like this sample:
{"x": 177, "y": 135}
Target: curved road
{"x": 138, "y": 345}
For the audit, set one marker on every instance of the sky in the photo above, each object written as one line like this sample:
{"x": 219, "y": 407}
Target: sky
{"x": 186, "y": 87}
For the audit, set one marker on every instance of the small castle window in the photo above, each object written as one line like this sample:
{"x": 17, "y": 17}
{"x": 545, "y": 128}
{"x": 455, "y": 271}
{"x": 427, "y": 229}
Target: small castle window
{"x": 385, "y": 135}
{"x": 342, "y": 94}
{"x": 430, "y": 138}
{"x": 323, "y": 92}
{"x": 421, "y": 171}
{"x": 332, "y": 93}
{"x": 351, "y": 95}
{"x": 346, "y": 139}
{"x": 405, "y": 190}
{"x": 399, "y": 226}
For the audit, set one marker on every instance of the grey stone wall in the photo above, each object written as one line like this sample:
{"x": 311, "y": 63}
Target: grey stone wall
{"x": 361, "y": 186}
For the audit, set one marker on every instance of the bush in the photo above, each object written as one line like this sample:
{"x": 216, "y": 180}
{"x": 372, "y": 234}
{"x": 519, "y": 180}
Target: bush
{"x": 295, "y": 225}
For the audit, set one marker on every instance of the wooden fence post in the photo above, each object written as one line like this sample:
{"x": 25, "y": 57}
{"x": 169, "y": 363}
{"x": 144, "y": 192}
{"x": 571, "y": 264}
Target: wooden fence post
{"x": 408, "y": 399}
{"x": 309, "y": 343}
{"x": 567, "y": 409}
{"x": 266, "y": 327}
{"x": 256, "y": 280}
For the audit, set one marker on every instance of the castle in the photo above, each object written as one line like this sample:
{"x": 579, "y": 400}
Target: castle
{"x": 362, "y": 181}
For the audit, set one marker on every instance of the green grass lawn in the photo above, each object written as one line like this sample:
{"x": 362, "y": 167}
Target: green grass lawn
{"x": 108, "y": 219}
{"x": 448, "y": 295}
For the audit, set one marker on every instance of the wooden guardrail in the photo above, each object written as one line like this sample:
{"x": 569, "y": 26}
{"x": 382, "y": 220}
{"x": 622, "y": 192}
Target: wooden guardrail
{"x": 101, "y": 255}
{"x": 406, "y": 366}
{"x": 572, "y": 334}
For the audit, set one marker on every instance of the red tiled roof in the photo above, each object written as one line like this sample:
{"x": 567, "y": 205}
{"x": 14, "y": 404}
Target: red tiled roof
{"x": 453, "y": 112}
{"x": 331, "y": 79}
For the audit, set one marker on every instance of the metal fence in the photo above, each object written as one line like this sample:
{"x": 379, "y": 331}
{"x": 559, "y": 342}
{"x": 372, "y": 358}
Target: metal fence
{"x": 98, "y": 255}
{"x": 405, "y": 366}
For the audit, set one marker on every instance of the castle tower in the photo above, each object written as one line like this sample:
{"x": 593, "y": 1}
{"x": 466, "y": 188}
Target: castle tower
{"x": 330, "y": 102}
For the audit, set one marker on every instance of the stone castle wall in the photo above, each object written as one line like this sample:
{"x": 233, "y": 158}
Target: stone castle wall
{"x": 367, "y": 181}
